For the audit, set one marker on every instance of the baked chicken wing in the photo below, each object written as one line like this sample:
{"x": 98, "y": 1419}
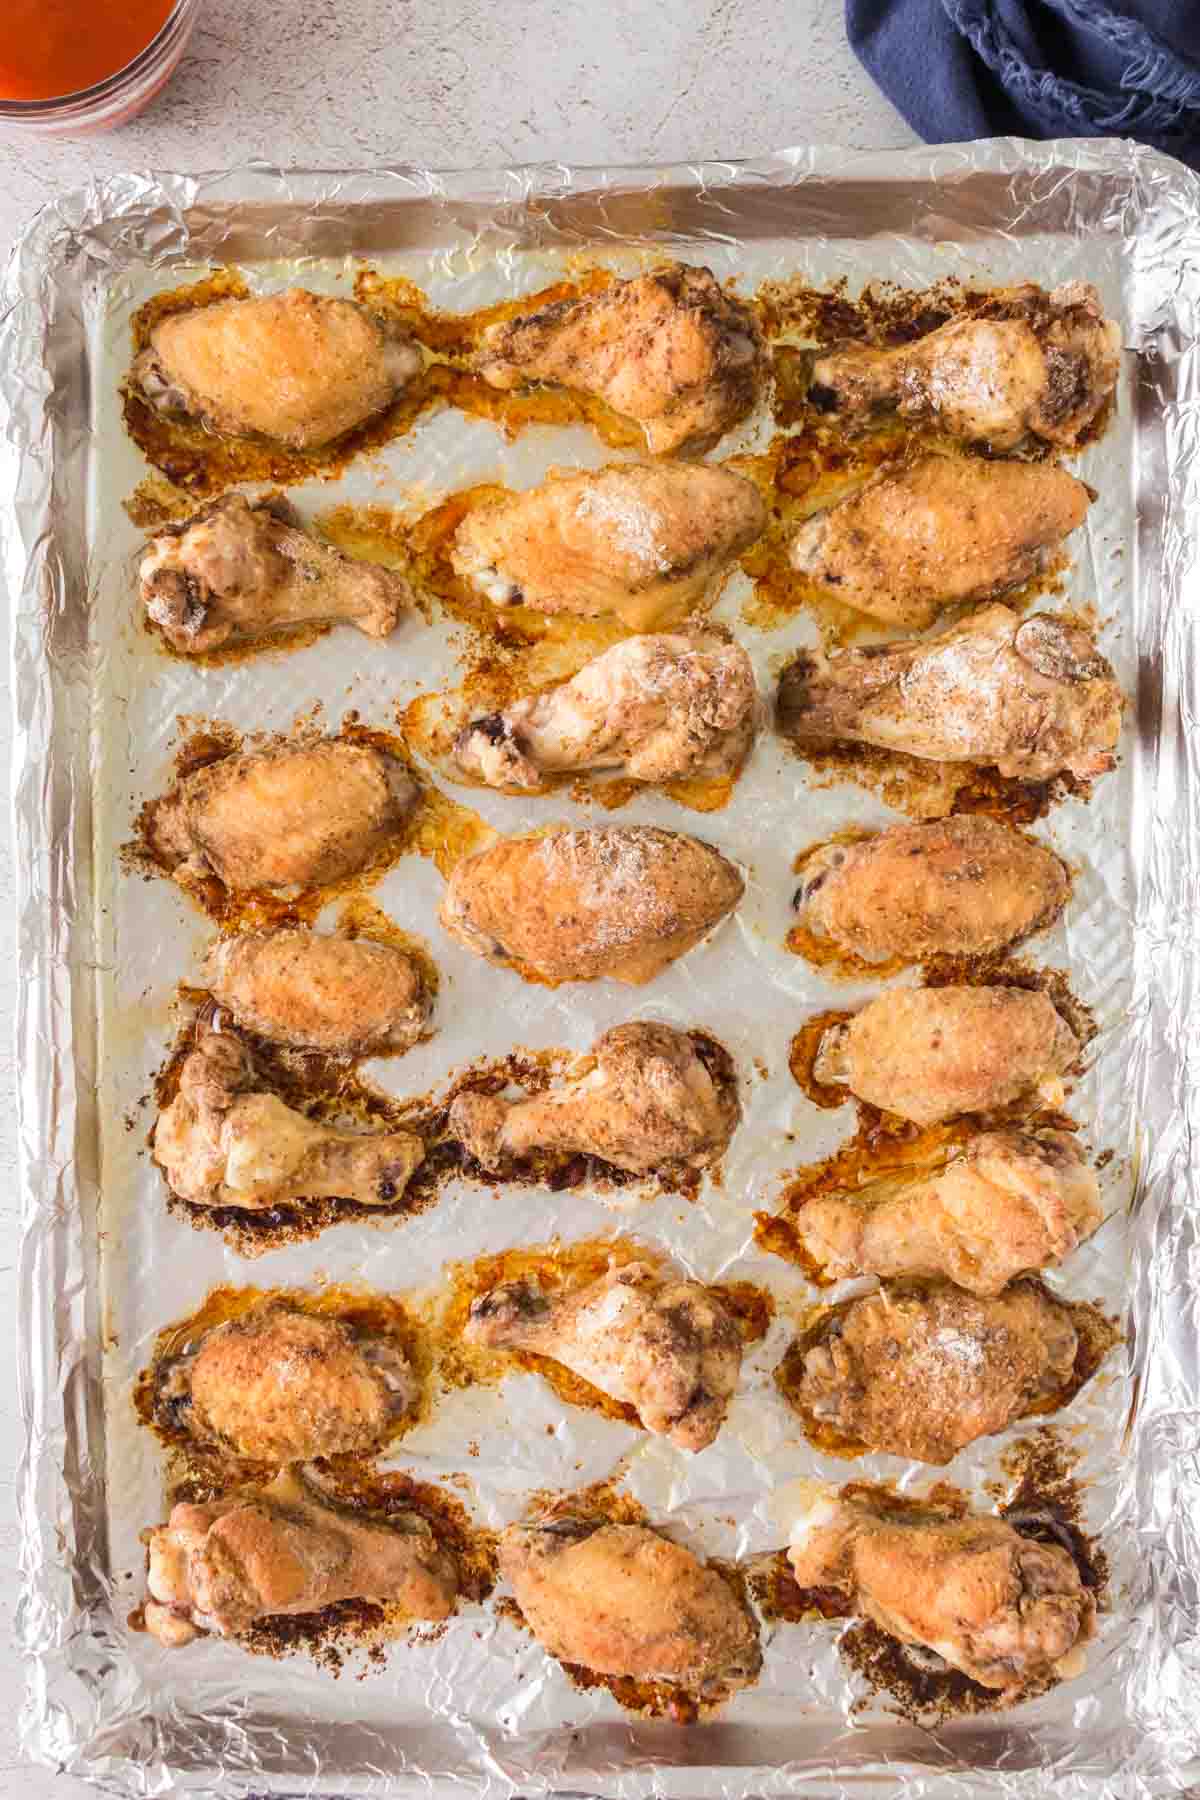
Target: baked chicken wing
{"x": 575, "y": 905}
{"x": 645, "y": 541}
{"x": 300, "y": 368}
{"x": 673, "y": 351}
{"x": 347, "y": 996}
{"x": 1032, "y": 696}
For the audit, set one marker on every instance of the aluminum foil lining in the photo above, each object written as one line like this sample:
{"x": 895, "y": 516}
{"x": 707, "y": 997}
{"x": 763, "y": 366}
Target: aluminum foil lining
{"x": 104, "y": 1265}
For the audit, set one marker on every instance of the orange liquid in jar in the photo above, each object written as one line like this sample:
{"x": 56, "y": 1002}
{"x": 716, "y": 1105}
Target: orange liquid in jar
{"x": 53, "y": 47}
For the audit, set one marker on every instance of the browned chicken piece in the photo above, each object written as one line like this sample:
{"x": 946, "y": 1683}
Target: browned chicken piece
{"x": 936, "y": 532}
{"x": 281, "y": 1550}
{"x": 673, "y": 351}
{"x": 614, "y": 900}
{"x": 668, "y": 1348}
{"x": 960, "y": 886}
{"x": 348, "y": 996}
{"x": 1005, "y": 1610}
{"x": 1032, "y": 696}
{"x": 653, "y": 1097}
{"x": 1040, "y": 366}
{"x": 279, "y": 1385}
{"x": 931, "y": 1053}
{"x": 621, "y": 1600}
{"x": 646, "y": 541}
{"x": 293, "y": 816}
{"x": 297, "y": 367}
{"x": 1008, "y": 1204}
{"x": 922, "y": 1372}
{"x": 237, "y": 570}
{"x": 652, "y": 708}
{"x": 225, "y": 1141}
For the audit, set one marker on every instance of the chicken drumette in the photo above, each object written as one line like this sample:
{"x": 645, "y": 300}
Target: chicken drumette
{"x": 349, "y": 996}
{"x": 937, "y": 531}
{"x": 1005, "y": 1610}
{"x": 1010, "y": 1203}
{"x": 621, "y": 1600}
{"x": 645, "y": 541}
{"x": 930, "y": 1053}
{"x": 921, "y": 1372}
{"x": 651, "y": 708}
{"x": 1032, "y": 696}
{"x": 280, "y": 1550}
{"x": 237, "y": 570}
{"x": 225, "y": 1141}
{"x": 576, "y": 905}
{"x": 1027, "y": 364}
{"x": 653, "y": 1097}
{"x": 297, "y": 367}
{"x": 668, "y": 1348}
{"x": 959, "y": 886}
{"x": 673, "y": 351}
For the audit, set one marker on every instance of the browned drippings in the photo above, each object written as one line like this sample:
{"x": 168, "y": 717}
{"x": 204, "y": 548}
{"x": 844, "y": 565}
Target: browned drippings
{"x": 803, "y": 1052}
{"x": 883, "y": 314}
{"x": 779, "y": 1597}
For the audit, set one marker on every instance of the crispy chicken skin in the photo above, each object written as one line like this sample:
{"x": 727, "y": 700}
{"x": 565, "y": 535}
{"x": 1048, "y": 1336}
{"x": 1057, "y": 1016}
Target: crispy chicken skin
{"x": 225, "y": 1141}
{"x": 652, "y": 708}
{"x": 296, "y": 367}
{"x": 237, "y": 569}
{"x": 651, "y": 1099}
{"x": 621, "y": 1600}
{"x": 673, "y": 351}
{"x": 936, "y": 532}
{"x": 645, "y": 541}
{"x": 348, "y": 996}
{"x": 924, "y": 1371}
{"x": 280, "y": 1550}
{"x": 574, "y": 905}
{"x": 931, "y": 1053}
{"x": 1010, "y": 1203}
{"x": 960, "y": 886}
{"x": 666, "y": 1347}
{"x": 280, "y": 1386}
{"x": 1006, "y": 1611}
{"x": 1032, "y": 696}
{"x": 1044, "y": 366}
{"x": 292, "y": 816}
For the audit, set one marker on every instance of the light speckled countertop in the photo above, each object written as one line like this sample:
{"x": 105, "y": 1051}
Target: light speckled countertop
{"x": 456, "y": 83}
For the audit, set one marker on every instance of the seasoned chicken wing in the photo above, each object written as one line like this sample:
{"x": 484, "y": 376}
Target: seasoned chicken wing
{"x": 922, "y": 1372}
{"x": 652, "y": 708}
{"x": 672, "y": 350}
{"x": 614, "y": 900}
{"x": 293, "y": 816}
{"x": 938, "y": 531}
{"x": 1027, "y": 365}
{"x": 653, "y": 1097}
{"x": 1009, "y": 1203}
{"x": 236, "y": 570}
{"x": 281, "y": 1385}
{"x": 345, "y": 995}
{"x": 300, "y": 368}
{"x": 1033, "y": 696}
{"x": 668, "y": 1348}
{"x": 282, "y": 1550}
{"x": 930, "y": 1053}
{"x": 621, "y": 1600}
{"x": 959, "y": 886}
{"x": 225, "y": 1141}
{"x": 645, "y": 541}
{"x": 1005, "y": 1610}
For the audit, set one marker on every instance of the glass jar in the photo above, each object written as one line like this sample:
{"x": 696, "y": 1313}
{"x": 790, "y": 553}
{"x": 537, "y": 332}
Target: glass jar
{"x": 117, "y": 97}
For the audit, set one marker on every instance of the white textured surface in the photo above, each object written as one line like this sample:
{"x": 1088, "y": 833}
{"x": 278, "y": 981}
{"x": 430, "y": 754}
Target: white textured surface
{"x": 351, "y": 83}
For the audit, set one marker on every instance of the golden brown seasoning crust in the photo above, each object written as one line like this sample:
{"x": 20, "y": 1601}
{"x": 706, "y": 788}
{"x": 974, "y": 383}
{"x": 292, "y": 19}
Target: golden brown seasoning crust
{"x": 313, "y": 991}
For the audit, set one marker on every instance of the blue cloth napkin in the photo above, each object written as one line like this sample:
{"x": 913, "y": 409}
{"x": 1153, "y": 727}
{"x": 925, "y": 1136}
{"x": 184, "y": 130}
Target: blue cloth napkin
{"x": 961, "y": 69}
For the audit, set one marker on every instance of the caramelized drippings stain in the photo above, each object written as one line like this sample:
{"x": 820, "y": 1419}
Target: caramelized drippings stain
{"x": 780, "y": 1598}
{"x": 803, "y": 1051}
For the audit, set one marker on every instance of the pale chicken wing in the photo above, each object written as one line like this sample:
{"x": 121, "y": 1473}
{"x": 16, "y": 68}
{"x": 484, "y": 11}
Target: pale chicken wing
{"x": 937, "y": 532}
{"x": 300, "y": 368}
{"x": 673, "y": 351}
{"x": 1032, "y": 696}
{"x": 348, "y": 996}
{"x": 646, "y": 541}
